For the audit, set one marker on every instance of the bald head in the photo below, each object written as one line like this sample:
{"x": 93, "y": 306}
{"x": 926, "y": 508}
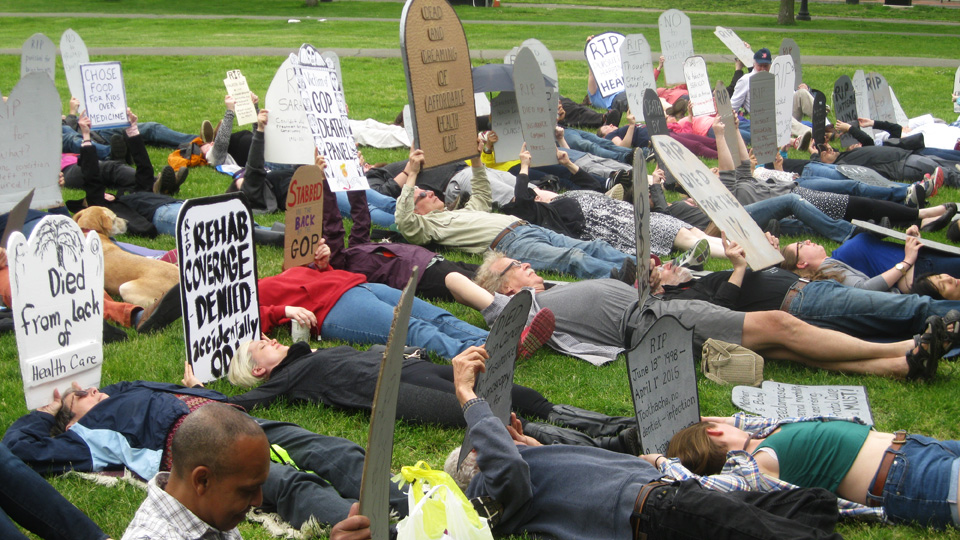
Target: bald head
{"x": 205, "y": 437}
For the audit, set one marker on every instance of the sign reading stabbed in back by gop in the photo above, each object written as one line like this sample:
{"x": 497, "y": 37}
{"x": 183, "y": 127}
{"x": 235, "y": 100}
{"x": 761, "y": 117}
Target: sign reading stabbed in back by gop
{"x": 603, "y": 57}
{"x": 104, "y": 97}
{"x": 439, "y": 81}
{"x": 218, "y": 281}
{"x": 304, "y": 216}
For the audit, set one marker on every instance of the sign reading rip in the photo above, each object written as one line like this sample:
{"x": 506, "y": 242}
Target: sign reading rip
{"x": 603, "y": 57}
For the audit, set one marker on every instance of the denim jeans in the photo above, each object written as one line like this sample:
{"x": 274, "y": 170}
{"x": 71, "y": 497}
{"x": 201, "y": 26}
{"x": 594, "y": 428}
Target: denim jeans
{"x": 364, "y": 314}
{"x": 816, "y": 169}
{"x": 853, "y": 187}
{"x": 547, "y": 250}
{"x": 950, "y": 155}
{"x": 381, "y": 207}
{"x": 937, "y": 264}
{"x": 153, "y": 133}
{"x": 598, "y": 146}
{"x": 921, "y": 485}
{"x": 71, "y": 141}
{"x": 745, "y": 130}
{"x": 165, "y": 218}
{"x": 809, "y": 216}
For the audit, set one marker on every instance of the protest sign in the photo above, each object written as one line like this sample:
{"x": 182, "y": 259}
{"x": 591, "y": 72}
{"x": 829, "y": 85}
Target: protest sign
{"x": 333, "y": 61}
{"x": 845, "y": 106}
{"x": 783, "y": 73}
{"x": 218, "y": 281}
{"x": 496, "y": 383}
{"x": 535, "y": 117}
{"x": 653, "y": 113}
{"x": 304, "y": 216}
{"x": 676, "y": 43}
{"x": 30, "y": 142}
{"x": 866, "y": 175}
{"x": 548, "y": 68}
{"x": 236, "y": 84}
{"x": 38, "y": 54}
{"x": 104, "y": 96}
{"x": 956, "y": 91}
{"x": 436, "y": 61}
{"x": 698, "y": 86}
{"x": 819, "y": 117}
{"x": 505, "y": 121}
{"x": 860, "y": 90}
{"x": 511, "y": 55}
{"x": 901, "y": 117}
{"x": 878, "y": 92}
{"x": 16, "y": 218}
{"x": 603, "y": 57}
{"x": 763, "y": 116}
{"x": 927, "y": 243}
{"x": 287, "y": 137}
{"x": 711, "y": 195}
{"x": 73, "y": 52}
{"x": 725, "y": 111}
{"x": 736, "y": 45}
{"x": 56, "y": 280}
{"x": 637, "y": 66}
{"x": 375, "y": 482}
{"x": 789, "y": 47}
{"x": 481, "y": 104}
{"x": 779, "y": 400}
{"x": 663, "y": 382}
{"x": 641, "y": 209}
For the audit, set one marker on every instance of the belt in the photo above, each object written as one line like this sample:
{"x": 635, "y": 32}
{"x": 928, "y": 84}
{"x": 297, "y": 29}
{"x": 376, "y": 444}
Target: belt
{"x": 899, "y": 438}
{"x": 639, "y": 506}
{"x": 792, "y": 293}
{"x": 508, "y": 230}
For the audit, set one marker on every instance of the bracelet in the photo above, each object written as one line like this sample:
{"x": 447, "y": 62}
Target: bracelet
{"x": 471, "y": 403}
{"x": 656, "y": 462}
{"x": 909, "y": 265}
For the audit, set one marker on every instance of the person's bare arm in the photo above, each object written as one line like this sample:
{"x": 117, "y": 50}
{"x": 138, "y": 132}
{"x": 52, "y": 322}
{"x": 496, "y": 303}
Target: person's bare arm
{"x": 627, "y": 140}
{"x": 724, "y": 158}
{"x": 466, "y": 292}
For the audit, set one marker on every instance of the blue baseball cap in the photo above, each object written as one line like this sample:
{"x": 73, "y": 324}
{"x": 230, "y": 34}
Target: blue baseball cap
{"x": 762, "y": 56}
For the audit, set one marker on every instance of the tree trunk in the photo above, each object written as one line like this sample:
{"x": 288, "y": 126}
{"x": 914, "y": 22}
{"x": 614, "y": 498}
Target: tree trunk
{"x": 310, "y": 3}
{"x": 786, "y": 12}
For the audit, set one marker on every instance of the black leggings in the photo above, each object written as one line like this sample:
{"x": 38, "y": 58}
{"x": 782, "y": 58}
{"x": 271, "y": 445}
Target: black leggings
{"x": 863, "y": 208}
{"x": 433, "y": 284}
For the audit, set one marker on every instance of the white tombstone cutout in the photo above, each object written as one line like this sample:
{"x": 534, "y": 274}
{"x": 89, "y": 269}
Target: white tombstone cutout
{"x": 321, "y": 93}
{"x": 783, "y": 72}
{"x": 637, "y": 64}
{"x": 641, "y": 208}
{"x": 735, "y": 44}
{"x": 505, "y": 121}
{"x": 790, "y": 48}
{"x": 725, "y": 111}
{"x": 535, "y": 115}
{"x": 511, "y": 55}
{"x": 779, "y": 400}
{"x": 30, "y": 142}
{"x": 878, "y": 92}
{"x": 481, "y": 104}
{"x": 375, "y": 482}
{"x": 711, "y": 195}
{"x": 237, "y": 87}
{"x": 218, "y": 281}
{"x": 73, "y": 52}
{"x": 603, "y": 57}
{"x": 930, "y": 244}
{"x": 104, "y": 95}
{"x": 56, "y": 281}
{"x": 676, "y": 43}
{"x": 408, "y": 122}
{"x": 956, "y": 90}
{"x": 663, "y": 382}
{"x": 698, "y": 86}
{"x": 898, "y": 113}
{"x": 38, "y": 54}
{"x": 333, "y": 61}
{"x": 860, "y": 90}
{"x": 287, "y": 137}
{"x": 763, "y": 116}
{"x": 548, "y": 68}
{"x": 496, "y": 383}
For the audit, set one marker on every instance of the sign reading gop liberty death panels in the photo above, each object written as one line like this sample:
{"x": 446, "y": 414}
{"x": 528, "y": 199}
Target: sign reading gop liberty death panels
{"x": 104, "y": 97}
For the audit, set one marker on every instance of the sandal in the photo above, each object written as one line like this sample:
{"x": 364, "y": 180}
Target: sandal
{"x": 951, "y": 323}
{"x": 924, "y": 358}
{"x": 942, "y": 221}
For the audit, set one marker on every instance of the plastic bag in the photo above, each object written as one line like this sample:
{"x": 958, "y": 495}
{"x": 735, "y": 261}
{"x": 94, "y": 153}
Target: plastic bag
{"x": 440, "y": 513}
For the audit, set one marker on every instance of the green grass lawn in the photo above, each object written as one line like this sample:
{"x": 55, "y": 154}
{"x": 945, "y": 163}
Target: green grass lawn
{"x": 182, "y": 91}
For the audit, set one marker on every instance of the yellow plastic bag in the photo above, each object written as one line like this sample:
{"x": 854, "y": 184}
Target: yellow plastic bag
{"x": 438, "y": 509}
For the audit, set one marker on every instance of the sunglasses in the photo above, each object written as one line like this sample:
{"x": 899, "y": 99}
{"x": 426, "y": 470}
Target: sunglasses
{"x": 423, "y": 194}
{"x": 511, "y": 266}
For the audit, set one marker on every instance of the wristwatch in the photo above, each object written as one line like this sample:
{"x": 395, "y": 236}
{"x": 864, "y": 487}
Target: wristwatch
{"x": 901, "y": 267}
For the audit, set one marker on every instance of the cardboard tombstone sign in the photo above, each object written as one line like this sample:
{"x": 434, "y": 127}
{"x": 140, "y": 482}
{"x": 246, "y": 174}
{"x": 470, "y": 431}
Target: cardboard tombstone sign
{"x": 30, "y": 142}
{"x": 548, "y": 68}
{"x": 653, "y": 113}
{"x": 783, "y": 73}
{"x": 104, "y": 95}
{"x": 38, "y": 54}
{"x": 698, "y": 86}
{"x": 481, "y": 104}
{"x": 375, "y": 482}
{"x": 641, "y": 208}
{"x": 865, "y": 175}
{"x": 956, "y": 90}
{"x": 496, "y": 383}
{"x": 663, "y": 382}
{"x": 637, "y": 65}
{"x": 779, "y": 400}
{"x": 303, "y": 217}
{"x": 789, "y": 47}
{"x": 505, "y": 121}
{"x": 763, "y": 116}
{"x": 73, "y": 52}
{"x": 725, "y": 111}
{"x": 408, "y": 122}
{"x": 218, "y": 281}
{"x": 736, "y": 45}
{"x": 864, "y": 109}
{"x": 56, "y": 280}
{"x": 676, "y": 43}
{"x": 878, "y": 92}
{"x": 819, "y": 116}
{"x": 722, "y": 207}
{"x": 287, "y": 137}
{"x": 237, "y": 87}
{"x": 536, "y": 119}
{"x": 603, "y": 57}
{"x": 321, "y": 92}
{"x": 511, "y": 55}
{"x": 845, "y": 106}
{"x": 900, "y": 116}
{"x": 436, "y": 60}
{"x": 16, "y": 218}
{"x": 930, "y": 244}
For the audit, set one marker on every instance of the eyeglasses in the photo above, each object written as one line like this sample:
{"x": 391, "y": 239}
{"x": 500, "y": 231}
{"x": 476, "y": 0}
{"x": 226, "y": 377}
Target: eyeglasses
{"x": 511, "y": 266}
{"x": 423, "y": 194}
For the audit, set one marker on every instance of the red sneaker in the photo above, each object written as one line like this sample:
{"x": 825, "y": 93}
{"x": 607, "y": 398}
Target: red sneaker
{"x": 536, "y": 334}
{"x": 937, "y": 179}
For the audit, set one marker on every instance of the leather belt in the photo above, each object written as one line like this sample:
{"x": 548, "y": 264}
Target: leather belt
{"x": 638, "y": 507}
{"x": 899, "y": 438}
{"x": 508, "y": 230}
{"x": 792, "y": 293}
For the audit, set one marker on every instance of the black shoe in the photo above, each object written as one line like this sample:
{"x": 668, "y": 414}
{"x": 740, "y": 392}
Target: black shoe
{"x": 181, "y": 176}
{"x": 612, "y": 117}
{"x": 943, "y": 220}
{"x": 953, "y": 231}
{"x": 112, "y": 334}
{"x": 118, "y": 148}
{"x": 161, "y": 313}
{"x": 266, "y": 237}
{"x": 166, "y": 183}
{"x": 592, "y": 423}
{"x": 773, "y": 227}
{"x": 627, "y": 272}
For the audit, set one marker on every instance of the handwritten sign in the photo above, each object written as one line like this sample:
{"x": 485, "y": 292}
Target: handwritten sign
{"x": 218, "y": 281}
{"x": 375, "y": 482}
{"x": 901, "y": 117}
{"x": 878, "y": 92}
{"x": 725, "y": 111}
{"x": 73, "y": 52}
{"x": 436, "y": 61}
{"x": 663, "y": 382}
{"x": 711, "y": 195}
{"x": 237, "y": 87}
{"x": 641, "y": 208}
{"x": 698, "y": 86}
{"x": 864, "y": 109}
{"x": 548, "y": 68}
{"x": 637, "y": 65}
{"x": 511, "y": 55}
{"x": 783, "y": 72}
{"x": 38, "y": 54}
{"x": 57, "y": 286}
{"x": 819, "y": 116}
{"x": 763, "y": 116}
{"x": 287, "y": 137}
{"x": 676, "y": 43}
{"x": 779, "y": 400}
{"x": 535, "y": 116}
{"x": 603, "y": 57}
{"x": 653, "y": 113}
{"x": 104, "y": 96}
{"x": 956, "y": 90}
{"x": 304, "y": 216}
{"x": 845, "y": 106}
{"x": 735, "y": 44}
{"x": 505, "y": 120}
{"x": 789, "y": 47}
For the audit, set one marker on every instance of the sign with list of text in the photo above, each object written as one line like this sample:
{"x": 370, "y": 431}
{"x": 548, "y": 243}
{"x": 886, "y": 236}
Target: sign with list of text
{"x": 698, "y": 86}
{"x": 237, "y": 87}
{"x": 287, "y": 137}
{"x": 535, "y": 116}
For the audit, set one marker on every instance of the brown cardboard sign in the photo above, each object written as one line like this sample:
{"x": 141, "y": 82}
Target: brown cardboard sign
{"x": 439, "y": 81}
{"x": 304, "y": 216}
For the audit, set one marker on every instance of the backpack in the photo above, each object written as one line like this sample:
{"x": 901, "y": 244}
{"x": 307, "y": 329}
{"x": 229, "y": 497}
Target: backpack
{"x": 187, "y": 155}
